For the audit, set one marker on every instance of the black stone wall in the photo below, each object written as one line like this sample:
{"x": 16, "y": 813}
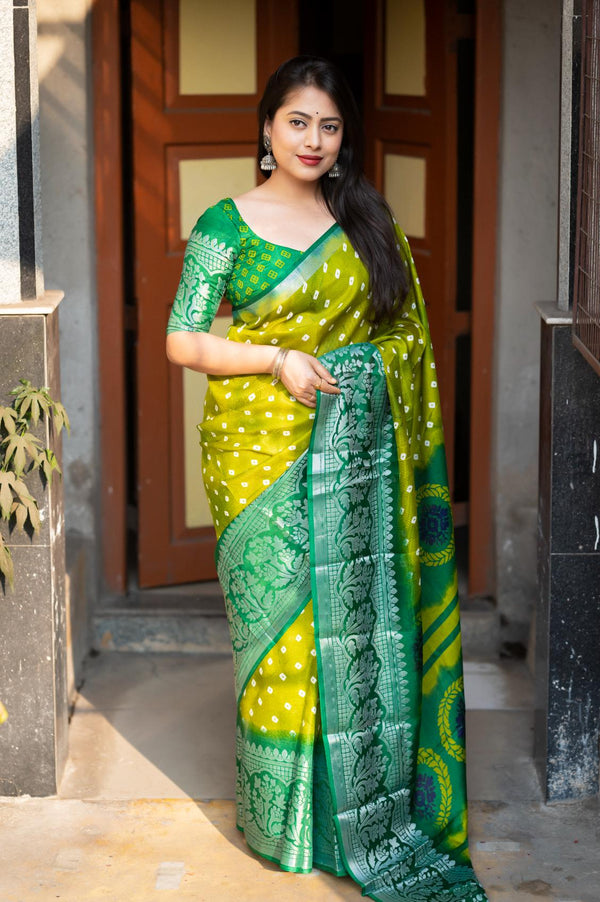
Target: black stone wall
{"x": 33, "y": 741}
{"x": 567, "y": 669}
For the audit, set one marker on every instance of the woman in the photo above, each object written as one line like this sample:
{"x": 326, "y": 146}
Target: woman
{"x": 324, "y": 465}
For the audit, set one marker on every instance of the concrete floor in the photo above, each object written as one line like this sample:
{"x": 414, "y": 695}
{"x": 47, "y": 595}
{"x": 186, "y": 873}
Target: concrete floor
{"x": 146, "y": 801}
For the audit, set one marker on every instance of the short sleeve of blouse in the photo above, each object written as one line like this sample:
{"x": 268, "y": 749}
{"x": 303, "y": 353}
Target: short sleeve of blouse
{"x": 209, "y": 258}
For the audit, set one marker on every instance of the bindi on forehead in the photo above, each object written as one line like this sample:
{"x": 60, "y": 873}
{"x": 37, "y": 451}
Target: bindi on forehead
{"x": 311, "y": 116}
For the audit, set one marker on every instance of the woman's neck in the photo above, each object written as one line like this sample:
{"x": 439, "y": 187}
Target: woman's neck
{"x": 293, "y": 192}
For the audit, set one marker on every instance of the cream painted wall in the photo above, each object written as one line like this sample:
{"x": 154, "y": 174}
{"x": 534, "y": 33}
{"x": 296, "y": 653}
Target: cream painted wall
{"x": 527, "y": 272}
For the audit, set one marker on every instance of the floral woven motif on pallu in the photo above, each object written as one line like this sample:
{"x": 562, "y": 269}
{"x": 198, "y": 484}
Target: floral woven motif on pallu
{"x": 336, "y": 557}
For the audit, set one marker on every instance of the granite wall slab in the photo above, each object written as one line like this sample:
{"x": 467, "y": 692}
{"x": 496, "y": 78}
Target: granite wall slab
{"x": 33, "y": 741}
{"x": 567, "y": 669}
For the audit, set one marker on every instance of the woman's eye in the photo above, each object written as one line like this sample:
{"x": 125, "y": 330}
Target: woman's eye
{"x": 297, "y": 122}
{"x": 331, "y": 128}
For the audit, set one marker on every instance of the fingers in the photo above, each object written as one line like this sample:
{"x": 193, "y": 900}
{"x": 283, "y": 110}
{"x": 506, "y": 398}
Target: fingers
{"x": 306, "y": 400}
{"x": 328, "y": 389}
{"x": 327, "y": 384}
{"x": 324, "y": 374}
{"x": 308, "y": 396}
{"x": 304, "y": 376}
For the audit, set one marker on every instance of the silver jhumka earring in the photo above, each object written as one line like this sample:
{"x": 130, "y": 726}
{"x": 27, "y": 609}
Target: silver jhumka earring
{"x": 335, "y": 171}
{"x": 268, "y": 162}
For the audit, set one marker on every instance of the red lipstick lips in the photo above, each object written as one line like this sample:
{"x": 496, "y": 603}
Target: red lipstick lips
{"x": 308, "y": 160}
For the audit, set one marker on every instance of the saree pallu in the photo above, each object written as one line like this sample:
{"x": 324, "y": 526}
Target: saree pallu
{"x": 336, "y": 558}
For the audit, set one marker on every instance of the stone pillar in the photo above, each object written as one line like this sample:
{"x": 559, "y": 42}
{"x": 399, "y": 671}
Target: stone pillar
{"x": 33, "y": 741}
{"x": 567, "y": 662}
{"x": 20, "y": 236}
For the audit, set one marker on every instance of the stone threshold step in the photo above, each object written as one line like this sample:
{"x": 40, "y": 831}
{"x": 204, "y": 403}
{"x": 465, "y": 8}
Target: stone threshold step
{"x": 175, "y": 630}
{"x": 188, "y": 618}
{"x": 194, "y": 622}
{"x": 480, "y": 622}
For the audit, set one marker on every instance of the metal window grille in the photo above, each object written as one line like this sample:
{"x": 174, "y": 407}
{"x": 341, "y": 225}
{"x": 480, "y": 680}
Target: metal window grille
{"x": 586, "y": 310}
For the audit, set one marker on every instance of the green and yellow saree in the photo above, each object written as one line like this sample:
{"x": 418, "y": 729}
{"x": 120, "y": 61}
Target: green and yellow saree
{"x": 336, "y": 558}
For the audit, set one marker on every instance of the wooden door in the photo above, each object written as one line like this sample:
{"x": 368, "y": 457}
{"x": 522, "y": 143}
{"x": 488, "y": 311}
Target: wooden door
{"x": 411, "y": 121}
{"x": 197, "y": 73}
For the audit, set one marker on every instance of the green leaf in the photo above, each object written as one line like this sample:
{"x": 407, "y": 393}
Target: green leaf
{"x": 20, "y": 513}
{"x": 23, "y": 405}
{"x": 18, "y": 448}
{"x": 35, "y": 410}
{"x": 20, "y": 453}
{"x": 22, "y": 391}
{"x": 49, "y": 463}
{"x": 21, "y": 491}
{"x": 34, "y": 514}
{"x": 8, "y": 419}
{"x": 32, "y": 402}
{"x": 60, "y": 417}
{"x": 6, "y": 564}
{"x": 7, "y": 481}
{"x": 25, "y": 383}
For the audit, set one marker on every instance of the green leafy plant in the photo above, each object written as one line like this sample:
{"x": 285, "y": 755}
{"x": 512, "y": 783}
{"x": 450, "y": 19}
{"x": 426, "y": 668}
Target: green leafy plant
{"x": 22, "y": 453}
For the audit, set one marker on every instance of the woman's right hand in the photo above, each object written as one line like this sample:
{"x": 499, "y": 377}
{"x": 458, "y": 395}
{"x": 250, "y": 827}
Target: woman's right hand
{"x": 304, "y": 375}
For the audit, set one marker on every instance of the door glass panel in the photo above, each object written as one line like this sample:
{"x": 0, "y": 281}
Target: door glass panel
{"x": 217, "y": 47}
{"x": 204, "y": 182}
{"x": 197, "y": 512}
{"x": 404, "y": 189}
{"x": 405, "y": 47}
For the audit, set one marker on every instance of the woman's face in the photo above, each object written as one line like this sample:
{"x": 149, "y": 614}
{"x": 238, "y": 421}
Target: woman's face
{"x": 306, "y": 134}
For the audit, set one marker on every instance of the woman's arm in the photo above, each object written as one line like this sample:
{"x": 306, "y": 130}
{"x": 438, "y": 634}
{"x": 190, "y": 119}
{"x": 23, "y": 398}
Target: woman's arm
{"x": 302, "y": 374}
{"x": 216, "y": 356}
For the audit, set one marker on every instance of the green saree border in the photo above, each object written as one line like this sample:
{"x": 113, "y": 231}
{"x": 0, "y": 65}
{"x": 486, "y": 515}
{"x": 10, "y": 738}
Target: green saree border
{"x": 285, "y": 247}
{"x": 332, "y": 528}
{"x": 298, "y": 275}
{"x": 370, "y": 722}
{"x": 262, "y": 565}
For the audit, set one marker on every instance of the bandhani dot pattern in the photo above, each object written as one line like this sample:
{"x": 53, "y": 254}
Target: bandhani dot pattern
{"x": 336, "y": 558}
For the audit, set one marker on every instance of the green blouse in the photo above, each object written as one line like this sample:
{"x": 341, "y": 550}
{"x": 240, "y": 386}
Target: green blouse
{"x": 224, "y": 257}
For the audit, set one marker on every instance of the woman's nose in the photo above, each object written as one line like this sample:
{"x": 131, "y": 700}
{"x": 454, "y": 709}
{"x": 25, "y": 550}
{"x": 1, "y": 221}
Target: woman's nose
{"x": 312, "y": 136}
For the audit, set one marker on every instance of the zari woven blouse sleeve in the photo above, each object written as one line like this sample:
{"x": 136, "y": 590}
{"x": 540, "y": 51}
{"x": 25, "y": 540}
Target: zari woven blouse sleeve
{"x": 207, "y": 265}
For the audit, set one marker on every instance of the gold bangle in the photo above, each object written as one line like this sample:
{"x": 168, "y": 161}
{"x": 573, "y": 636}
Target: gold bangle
{"x": 279, "y": 361}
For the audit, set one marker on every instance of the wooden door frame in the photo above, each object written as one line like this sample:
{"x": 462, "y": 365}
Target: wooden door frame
{"x": 110, "y": 263}
{"x": 488, "y": 86}
{"x": 110, "y": 291}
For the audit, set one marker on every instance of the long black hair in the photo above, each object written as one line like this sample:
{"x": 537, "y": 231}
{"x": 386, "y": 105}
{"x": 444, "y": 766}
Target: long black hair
{"x": 354, "y": 203}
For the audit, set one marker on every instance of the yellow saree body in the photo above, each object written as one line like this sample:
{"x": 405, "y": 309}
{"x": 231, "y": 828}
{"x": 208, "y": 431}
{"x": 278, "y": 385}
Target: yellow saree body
{"x": 336, "y": 557}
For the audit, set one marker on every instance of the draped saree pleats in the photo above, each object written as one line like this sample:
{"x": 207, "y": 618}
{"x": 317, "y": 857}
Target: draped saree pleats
{"x": 336, "y": 558}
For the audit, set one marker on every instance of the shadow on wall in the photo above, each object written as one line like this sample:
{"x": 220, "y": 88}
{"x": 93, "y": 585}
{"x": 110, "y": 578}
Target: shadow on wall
{"x": 64, "y": 70}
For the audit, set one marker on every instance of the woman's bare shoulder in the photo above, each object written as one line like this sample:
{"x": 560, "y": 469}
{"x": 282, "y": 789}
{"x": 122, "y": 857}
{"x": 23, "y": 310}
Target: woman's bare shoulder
{"x": 254, "y": 194}
{"x": 254, "y": 199}
{"x": 258, "y": 207}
